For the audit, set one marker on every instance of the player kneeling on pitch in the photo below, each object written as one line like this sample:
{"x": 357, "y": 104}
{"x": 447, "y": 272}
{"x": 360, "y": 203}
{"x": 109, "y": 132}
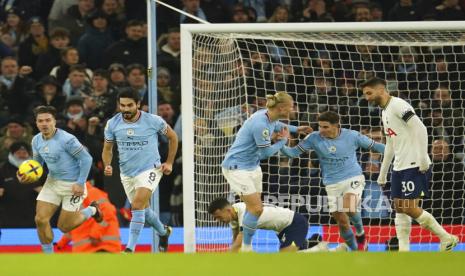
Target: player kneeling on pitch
{"x": 291, "y": 227}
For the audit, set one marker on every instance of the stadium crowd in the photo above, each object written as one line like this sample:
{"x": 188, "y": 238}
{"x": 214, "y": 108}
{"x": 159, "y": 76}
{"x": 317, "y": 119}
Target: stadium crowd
{"x": 77, "y": 54}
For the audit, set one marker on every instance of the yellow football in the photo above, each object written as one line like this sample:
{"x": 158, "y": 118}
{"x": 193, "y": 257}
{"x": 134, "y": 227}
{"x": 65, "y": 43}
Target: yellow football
{"x": 31, "y": 169}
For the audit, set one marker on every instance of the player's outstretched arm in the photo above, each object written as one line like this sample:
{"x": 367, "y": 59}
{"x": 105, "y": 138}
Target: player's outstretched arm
{"x": 265, "y": 152}
{"x": 387, "y": 159}
{"x": 291, "y": 152}
{"x": 421, "y": 137}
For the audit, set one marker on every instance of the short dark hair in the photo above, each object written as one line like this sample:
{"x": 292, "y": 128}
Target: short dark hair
{"x": 134, "y": 66}
{"x": 373, "y": 82}
{"x": 59, "y": 32}
{"x": 134, "y": 22}
{"x": 129, "y": 93}
{"x": 41, "y": 109}
{"x": 102, "y": 73}
{"x": 329, "y": 116}
{"x": 218, "y": 204}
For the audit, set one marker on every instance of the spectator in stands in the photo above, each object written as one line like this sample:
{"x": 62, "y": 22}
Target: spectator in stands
{"x": 215, "y": 11}
{"x": 78, "y": 83}
{"x": 48, "y": 92}
{"x": 169, "y": 54}
{"x": 362, "y": 13}
{"x": 376, "y": 11}
{"x": 165, "y": 90}
{"x": 103, "y": 96}
{"x": 59, "y": 10}
{"x": 91, "y": 236}
{"x": 35, "y": 45}
{"x": 17, "y": 201}
{"x": 75, "y": 19}
{"x": 404, "y": 10}
{"x": 136, "y": 80}
{"x": 447, "y": 189}
{"x": 280, "y": 15}
{"x": 118, "y": 75}
{"x": 15, "y": 87}
{"x": 95, "y": 40}
{"x": 449, "y": 10}
{"x": 132, "y": 49}
{"x": 16, "y": 130}
{"x": 24, "y": 8}
{"x": 239, "y": 14}
{"x": 115, "y": 16}
{"x": 59, "y": 40}
{"x": 315, "y": 11}
{"x": 15, "y": 27}
{"x": 74, "y": 119}
{"x": 192, "y": 7}
{"x": 69, "y": 57}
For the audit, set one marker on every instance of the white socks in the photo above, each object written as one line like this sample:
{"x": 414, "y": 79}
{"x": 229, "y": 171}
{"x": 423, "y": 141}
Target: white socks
{"x": 403, "y": 224}
{"x": 427, "y": 221}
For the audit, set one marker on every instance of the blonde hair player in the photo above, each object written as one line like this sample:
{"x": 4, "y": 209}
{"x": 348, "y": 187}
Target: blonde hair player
{"x": 261, "y": 136}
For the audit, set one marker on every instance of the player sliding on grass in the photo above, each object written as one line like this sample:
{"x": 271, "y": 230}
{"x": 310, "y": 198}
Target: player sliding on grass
{"x": 136, "y": 134}
{"x": 241, "y": 165}
{"x": 342, "y": 175}
{"x": 407, "y": 141}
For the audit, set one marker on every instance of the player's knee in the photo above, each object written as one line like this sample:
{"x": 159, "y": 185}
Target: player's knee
{"x": 41, "y": 220}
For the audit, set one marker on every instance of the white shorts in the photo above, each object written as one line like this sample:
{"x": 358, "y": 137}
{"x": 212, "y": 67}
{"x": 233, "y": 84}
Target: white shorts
{"x": 147, "y": 179}
{"x": 59, "y": 192}
{"x": 336, "y": 192}
{"x": 244, "y": 182}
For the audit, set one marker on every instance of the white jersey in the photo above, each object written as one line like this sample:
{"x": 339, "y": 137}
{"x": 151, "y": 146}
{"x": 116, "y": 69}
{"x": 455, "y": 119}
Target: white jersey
{"x": 273, "y": 217}
{"x": 395, "y": 115}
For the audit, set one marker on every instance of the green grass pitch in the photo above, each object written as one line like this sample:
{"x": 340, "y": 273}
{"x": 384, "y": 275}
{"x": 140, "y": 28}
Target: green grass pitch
{"x": 376, "y": 264}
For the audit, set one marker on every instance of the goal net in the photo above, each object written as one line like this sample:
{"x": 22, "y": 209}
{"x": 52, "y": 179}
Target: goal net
{"x": 228, "y": 71}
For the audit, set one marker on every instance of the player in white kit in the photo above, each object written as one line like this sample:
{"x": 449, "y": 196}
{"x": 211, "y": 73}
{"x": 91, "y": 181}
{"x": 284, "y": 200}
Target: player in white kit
{"x": 290, "y": 227}
{"x": 407, "y": 143}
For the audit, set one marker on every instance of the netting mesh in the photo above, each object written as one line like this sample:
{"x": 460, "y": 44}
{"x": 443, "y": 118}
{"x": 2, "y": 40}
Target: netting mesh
{"x": 322, "y": 71}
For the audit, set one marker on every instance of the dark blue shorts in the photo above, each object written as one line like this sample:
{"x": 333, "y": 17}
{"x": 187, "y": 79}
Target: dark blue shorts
{"x": 410, "y": 183}
{"x": 295, "y": 233}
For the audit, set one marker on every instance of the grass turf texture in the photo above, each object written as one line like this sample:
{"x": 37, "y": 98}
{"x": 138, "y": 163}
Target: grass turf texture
{"x": 421, "y": 264}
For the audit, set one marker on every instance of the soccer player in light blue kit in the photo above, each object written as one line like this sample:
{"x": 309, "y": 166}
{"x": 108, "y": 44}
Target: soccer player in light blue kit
{"x": 342, "y": 175}
{"x": 135, "y": 132}
{"x": 68, "y": 164}
{"x": 241, "y": 165}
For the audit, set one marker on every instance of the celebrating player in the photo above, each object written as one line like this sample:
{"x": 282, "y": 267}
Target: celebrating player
{"x": 241, "y": 166}
{"x": 342, "y": 175}
{"x": 291, "y": 227}
{"x": 407, "y": 141}
{"x": 136, "y": 134}
{"x": 68, "y": 166}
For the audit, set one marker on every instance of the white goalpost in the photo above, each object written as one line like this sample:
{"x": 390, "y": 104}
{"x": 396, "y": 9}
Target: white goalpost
{"x": 227, "y": 69}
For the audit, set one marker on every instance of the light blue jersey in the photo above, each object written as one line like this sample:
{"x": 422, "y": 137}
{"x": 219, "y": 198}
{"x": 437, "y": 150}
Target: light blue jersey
{"x": 338, "y": 159}
{"x": 65, "y": 156}
{"x": 137, "y": 141}
{"x": 253, "y": 142}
